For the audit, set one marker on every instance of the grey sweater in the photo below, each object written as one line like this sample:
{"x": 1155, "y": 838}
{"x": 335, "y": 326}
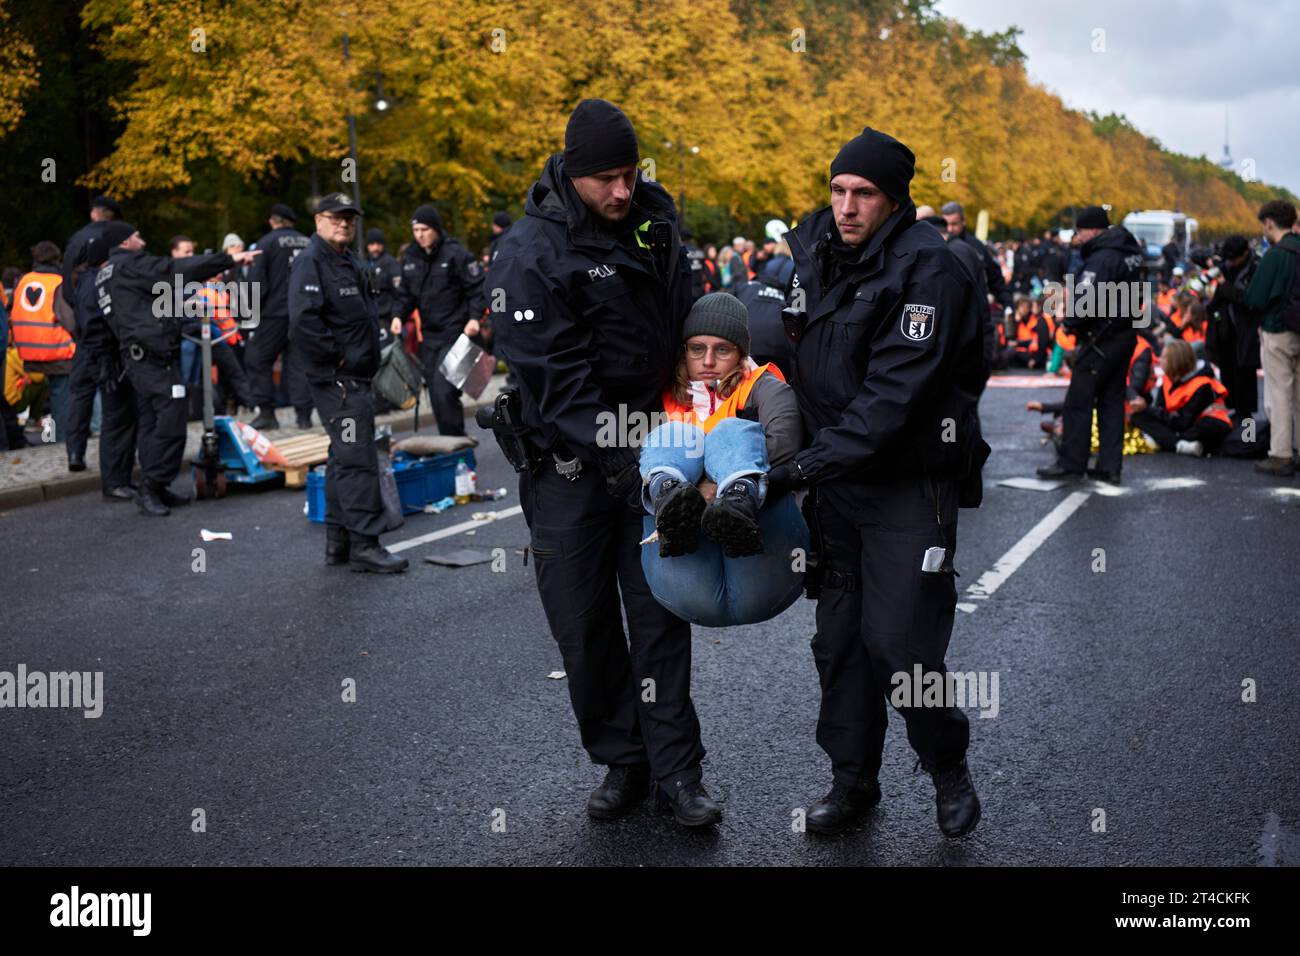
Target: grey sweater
{"x": 774, "y": 405}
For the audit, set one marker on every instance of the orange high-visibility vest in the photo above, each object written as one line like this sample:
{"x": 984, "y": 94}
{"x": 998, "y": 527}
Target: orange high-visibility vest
{"x": 1027, "y": 333}
{"x": 1064, "y": 339}
{"x": 727, "y": 408}
{"x": 1178, "y": 396}
{"x": 37, "y": 332}
{"x": 217, "y": 308}
{"x": 1142, "y": 346}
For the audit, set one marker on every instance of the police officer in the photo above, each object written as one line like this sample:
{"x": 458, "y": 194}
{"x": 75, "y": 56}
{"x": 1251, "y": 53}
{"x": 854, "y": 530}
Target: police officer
{"x": 385, "y": 277}
{"x": 136, "y": 293}
{"x": 334, "y": 327}
{"x": 442, "y": 279}
{"x": 888, "y": 366}
{"x": 98, "y": 367}
{"x": 699, "y": 273}
{"x": 955, "y": 216}
{"x": 765, "y": 300}
{"x": 1112, "y": 264}
{"x": 102, "y": 210}
{"x": 596, "y": 289}
{"x": 271, "y": 337}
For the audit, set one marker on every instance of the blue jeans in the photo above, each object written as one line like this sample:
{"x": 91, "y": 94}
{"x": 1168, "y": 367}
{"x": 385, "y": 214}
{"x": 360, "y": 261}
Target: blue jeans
{"x": 706, "y": 587}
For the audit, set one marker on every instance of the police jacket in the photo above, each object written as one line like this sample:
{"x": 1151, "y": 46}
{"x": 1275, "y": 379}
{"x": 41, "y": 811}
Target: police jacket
{"x": 271, "y": 269}
{"x": 888, "y": 362}
{"x": 993, "y": 281}
{"x": 699, "y": 274}
{"x": 386, "y": 284}
{"x": 74, "y": 254}
{"x": 333, "y": 321}
{"x": 768, "y": 341}
{"x": 92, "y": 331}
{"x": 591, "y": 316}
{"x": 136, "y": 311}
{"x": 445, "y": 284}
{"x": 1113, "y": 257}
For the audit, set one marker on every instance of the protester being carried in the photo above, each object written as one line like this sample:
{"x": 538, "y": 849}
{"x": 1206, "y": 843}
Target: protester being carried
{"x": 726, "y": 555}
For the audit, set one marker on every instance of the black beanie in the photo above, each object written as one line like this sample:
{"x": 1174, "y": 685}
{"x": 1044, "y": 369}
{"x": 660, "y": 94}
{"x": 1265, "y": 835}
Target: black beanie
{"x": 1093, "y": 217}
{"x": 1233, "y": 246}
{"x": 115, "y": 233}
{"x": 502, "y": 219}
{"x": 427, "y": 215}
{"x": 880, "y": 158}
{"x": 375, "y": 235}
{"x": 96, "y": 251}
{"x": 720, "y": 314}
{"x": 599, "y": 137}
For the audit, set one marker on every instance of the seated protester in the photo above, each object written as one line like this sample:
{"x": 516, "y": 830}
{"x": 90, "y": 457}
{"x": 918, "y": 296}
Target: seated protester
{"x": 1033, "y": 345}
{"x": 725, "y": 553}
{"x": 1141, "y": 379}
{"x": 1193, "y": 328}
{"x": 1179, "y": 315}
{"x": 1189, "y": 415}
{"x": 1063, "y": 346}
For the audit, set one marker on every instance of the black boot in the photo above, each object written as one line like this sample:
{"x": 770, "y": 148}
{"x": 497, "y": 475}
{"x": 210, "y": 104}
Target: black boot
{"x": 957, "y": 806}
{"x": 690, "y": 802}
{"x": 1056, "y": 471}
{"x": 171, "y": 500}
{"x": 623, "y": 789}
{"x": 337, "y": 545}
{"x": 150, "y": 504}
{"x": 265, "y": 420}
{"x": 842, "y": 807}
{"x": 303, "y": 421}
{"x": 677, "y": 507}
{"x": 732, "y": 520}
{"x": 367, "y": 554}
{"x": 1101, "y": 474}
{"x": 76, "y": 462}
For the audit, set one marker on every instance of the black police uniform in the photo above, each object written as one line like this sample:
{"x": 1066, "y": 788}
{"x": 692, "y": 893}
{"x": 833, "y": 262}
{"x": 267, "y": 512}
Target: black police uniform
{"x": 888, "y": 368}
{"x": 386, "y": 283}
{"x": 591, "y": 322}
{"x": 334, "y": 328}
{"x": 1105, "y": 346}
{"x": 150, "y": 348}
{"x": 74, "y": 254}
{"x": 271, "y": 336}
{"x": 765, "y": 299}
{"x": 446, "y": 285}
{"x": 97, "y": 367}
{"x": 993, "y": 281}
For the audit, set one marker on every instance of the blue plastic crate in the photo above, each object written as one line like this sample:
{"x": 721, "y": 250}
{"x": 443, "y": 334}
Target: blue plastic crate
{"x": 420, "y": 481}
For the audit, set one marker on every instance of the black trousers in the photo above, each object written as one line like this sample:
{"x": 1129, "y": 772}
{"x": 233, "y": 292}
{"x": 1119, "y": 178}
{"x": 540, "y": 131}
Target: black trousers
{"x": 230, "y": 373}
{"x": 1098, "y": 381}
{"x": 269, "y": 340}
{"x": 630, "y": 694}
{"x": 1210, "y": 432}
{"x": 352, "y": 496}
{"x": 162, "y": 409}
{"x": 443, "y": 396}
{"x": 879, "y": 615}
{"x": 83, "y": 383}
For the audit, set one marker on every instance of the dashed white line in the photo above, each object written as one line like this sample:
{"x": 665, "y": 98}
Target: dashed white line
{"x": 1020, "y": 552}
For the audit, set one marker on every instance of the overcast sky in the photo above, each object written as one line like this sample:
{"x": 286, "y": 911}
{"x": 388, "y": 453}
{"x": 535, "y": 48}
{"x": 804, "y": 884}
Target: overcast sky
{"x": 1171, "y": 67}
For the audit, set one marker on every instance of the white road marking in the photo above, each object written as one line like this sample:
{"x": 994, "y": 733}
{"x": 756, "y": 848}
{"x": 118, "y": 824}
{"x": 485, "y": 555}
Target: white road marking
{"x": 1020, "y": 552}
{"x": 1171, "y": 484}
{"x": 454, "y": 529}
{"x": 1285, "y": 492}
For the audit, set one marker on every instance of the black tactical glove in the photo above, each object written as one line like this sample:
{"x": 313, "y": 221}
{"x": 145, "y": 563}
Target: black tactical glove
{"x": 626, "y": 484}
{"x": 783, "y": 479}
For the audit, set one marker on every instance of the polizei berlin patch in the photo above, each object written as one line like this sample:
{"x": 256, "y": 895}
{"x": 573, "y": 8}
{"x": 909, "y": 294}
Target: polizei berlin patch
{"x": 918, "y": 322}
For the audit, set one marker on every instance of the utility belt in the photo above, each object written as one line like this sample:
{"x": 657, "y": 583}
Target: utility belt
{"x": 519, "y": 442}
{"x": 136, "y": 352}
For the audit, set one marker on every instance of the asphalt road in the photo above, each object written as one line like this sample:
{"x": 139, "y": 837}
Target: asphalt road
{"x": 1120, "y": 691}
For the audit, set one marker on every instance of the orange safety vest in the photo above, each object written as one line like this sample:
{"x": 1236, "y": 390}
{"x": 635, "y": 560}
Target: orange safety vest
{"x": 1027, "y": 333}
{"x": 1178, "y": 396}
{"x": 217, "y": 308}
{"x": 727, "y": 408}
{"x": 1189, "y": 334}
{"x": 37, "y": 332}
{"x": 1064, "y": 339}
{"x": 1141, "y": 346}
